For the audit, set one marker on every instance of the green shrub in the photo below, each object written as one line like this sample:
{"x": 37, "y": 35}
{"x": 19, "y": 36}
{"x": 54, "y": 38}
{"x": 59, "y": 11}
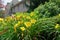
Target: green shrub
{"x": 56, "y": 1}
{"x": 47, "y": 10}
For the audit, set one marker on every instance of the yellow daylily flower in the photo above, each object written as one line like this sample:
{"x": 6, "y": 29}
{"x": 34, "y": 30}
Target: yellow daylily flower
{"x": 27, "y": 24}
{"x": 1, "y": 19}
{"x": 8, "y": 18}
{"x": 33, "y": 21}
{"x": 59, "y": 14}
{"x": 15, "y": 29}
{"x": 22, "y": 28}
{"x": 18, "y": 17}
{"x": 28, "y": 17}
{"x": 19, "y": 23}
{"x": 57, "y": 26}
{"x": 32, "y": 14}
{"x": 24, "y": 16}
{"x": 16, "y": 25}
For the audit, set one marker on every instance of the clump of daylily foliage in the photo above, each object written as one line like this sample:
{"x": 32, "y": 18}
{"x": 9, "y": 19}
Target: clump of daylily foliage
{"x": 27, "y": 26}
{"x": 18, "y": 23}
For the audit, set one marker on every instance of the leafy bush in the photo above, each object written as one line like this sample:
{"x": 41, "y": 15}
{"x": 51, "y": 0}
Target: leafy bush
{"x": 56, "y": 1}
{"x": 47, "y": 10}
